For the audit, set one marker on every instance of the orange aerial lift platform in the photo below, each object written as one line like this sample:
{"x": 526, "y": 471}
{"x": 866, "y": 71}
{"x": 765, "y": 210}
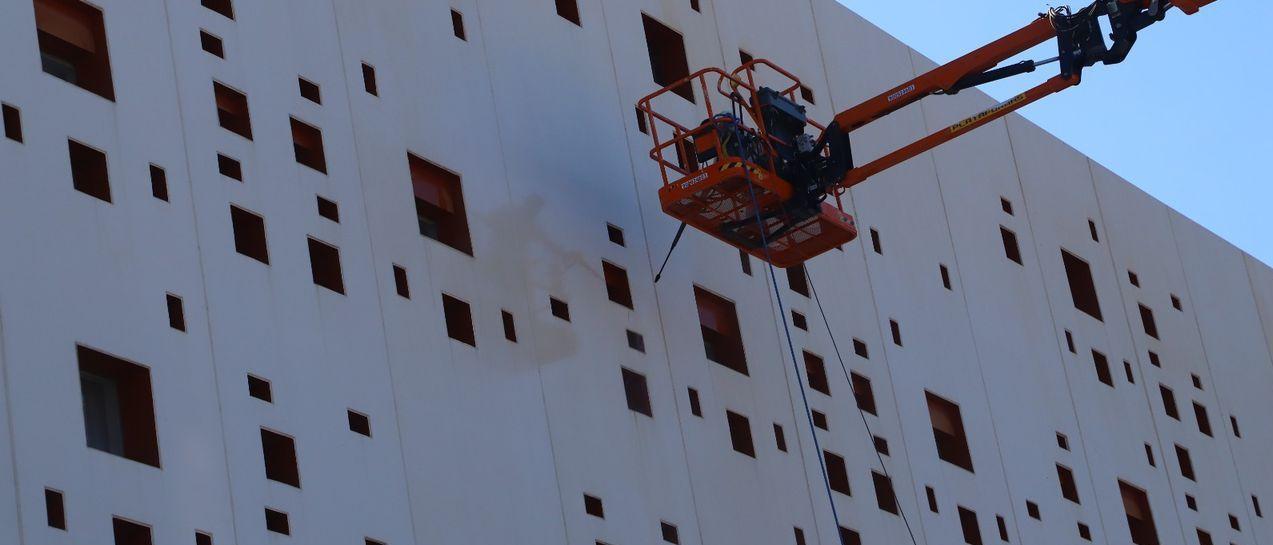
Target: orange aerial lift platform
{"x": 752, "y": 175}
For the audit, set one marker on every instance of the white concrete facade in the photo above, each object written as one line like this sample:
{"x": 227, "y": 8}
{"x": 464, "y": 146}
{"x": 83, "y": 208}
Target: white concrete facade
{"x": 499, "y": 443}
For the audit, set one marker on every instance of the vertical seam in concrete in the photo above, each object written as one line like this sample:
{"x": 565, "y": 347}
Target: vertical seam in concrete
{"x": 1206, "y": 358}
{"x": 543, "y": 394}
{"x": 1264, "y": 325}
{"x": 13, "y": 443}
{"x": 371, "y": 248}
{"x": 203, "y": 278}
{"x": 1054, "y": 319}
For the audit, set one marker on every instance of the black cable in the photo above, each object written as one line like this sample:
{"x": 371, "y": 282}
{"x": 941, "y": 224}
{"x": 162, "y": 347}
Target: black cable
{"x": 675, "y": 240}
{"x": 865, "y": 424}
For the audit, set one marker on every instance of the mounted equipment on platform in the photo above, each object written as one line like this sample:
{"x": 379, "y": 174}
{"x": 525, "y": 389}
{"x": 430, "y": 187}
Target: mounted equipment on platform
{"x": 752, "y": 175}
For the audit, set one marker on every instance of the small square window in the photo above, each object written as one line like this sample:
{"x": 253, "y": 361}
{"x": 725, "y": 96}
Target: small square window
{"x": 130, "y": 533}
{"x": 1153, "y": 359}
{"x": 885, "y": 497}
{"x": 799, "y": 320}
{"x": 249, "y": 234}
{"x": 232, "y": 110}
{"x": 279, "y": 452}
{"x": 176, "y": 312}
{"x": 369, "y": 79}
{"x": 837, "y": 473}
{"x": 211, "y": 44}
{"x": 880, "y": 444}
{"x": 797, "y": 280}
{"x": 260, "y": 388}
{"x": 1204, "y": 538}
{"x": 310, "y": 91}
{"x": 670, "y": 533}
{"x": 637, "y": 392}
{"x": 1133, "y": 278}
{"x": 592, "y": 505}
{"x": 559, "y": 308}
{"x": 359, "y": 423}
{"x": 617, "y": 288}
{"x": 230, "y": 168}
{"x": 694, "y": 6}
{"x": 328, "y": 209}
{"x": 1085, "y": 532}
{"x": 615, "y": 234}
{"x": 819, "y": 420}
{"x": 223, "y": 7}
{"x": 780, "y": 438}
{"x": 307, "y": 146}
{"x": 859, "y": 348}
{"x": 158, "y": 183}
{"x": 1197, "y": 380}
{"x": 88, "y": 171}
{"x": 696, "y": 408}
{"x": 1062, "y": 441}
{"x": 324, "y": 263}
{"x": 1191, "y": 503}
{"x": 569, "y": 10}
{"x": 1006, "y": 205}
{"x": 863, "y": 396}
{"x": 459, "y": 320}
{"x": 1233, "y": 523}
{"x": 740, "y": 433}
{"x": 636, "y": 341}
{"x": 457, "y": 25}
{"x": 400, "y": 282}
{"x": 202, "y": 538}
{"x": 816, "y": 371}
{"x": 276, "y": 521}
{"x": 807, "y": 94}
{"x": 12, "y": 122}
{"x": 510, "y": 326}
{"x": 1032, "y": 509}
{"x": 1176, "y": 304}
{"x": 54, "y": 509}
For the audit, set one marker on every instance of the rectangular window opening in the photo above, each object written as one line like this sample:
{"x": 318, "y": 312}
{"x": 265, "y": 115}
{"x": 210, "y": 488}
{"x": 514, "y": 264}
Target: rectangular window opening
{"x": 12, "y": 122}
{"x": 176, "y": 312}
{"x": 119, "y": 413}
{"x": 230, "y": 168}
{"x": 1003, "y": 528}
{"x": 369, "y": 80}
{"x": 1069, "y": 489}
{"x": 72, "y": 42}
{"x": 510, "y": 326}
{"x": 1091, "y": 227}
{"x": 309, "y": 90}
{"x": 1186, "y": 463}
{"x": 797, "y": 280}
{"x": 1010, "y": 247}
{"x": 1147, "y": 320}
{"x": 279, "y": 453}
{"x": 328, "y": 209}
{"x": 615, "y": 234}
{"x": 1140, "y": 519}
{"x": 636, "y": 341}
{"x": 158, "y": 183}
{"x": 740, "y": 433}
{"x": 324, "y": 263}
{"x": 359, "y": 423}
{"x": 637, "y": 392}
{"x": 896, "y": 330}
{"x": 948, "y": 432}
{"x": 932, "y": 499}
{"x": 1149, "y": 455}
{"x": 780, "y": 438}
{"x": 459, "y": 320}
{"x": 1169, "y": 402}
{"x": 211, "y": 44}
{"x": 249, "y": 234}
{"x": 863, "y": 396}
{"x": 617, "y": 288}
{"x": 559, "y": 308}
{"x": 232, "y": 110}
{"x": 885, "y": 497}
{"x": 1102, "y": 369}
{"x": 259, "y": 388}
{"x": 54, "y": 509}
{"x": 816, "y": 371}
{"x": 668, "y": 61}
{"x": 744, "y": 261}
{"x": 569, "y": 10}
{"x": 223, "y": 7}
{"x": 1082, "y": 288}
{"x": 401, "y": 283}
{"x": 968, "y": 523}
{"x": 130, "y": 533}
{"x": 875, "y": 242}
{"x": 696, "y": 408}
{"x": 859, "y": 348}
{"x": 592, "y": 505}
{"x": 799, "y": 320}
{"x": 1204, "y": 421}
{"x": 945, "y": 277}
{"x": 1006, "y": 205}
{"x": 88, "y": 171}
{"x": 718, "y": 321}
{"x": 837, "y": 472}
{"x": 276, "y": 521}
{"x": 439, "y": 203}
{"x": 819, "y": 419}
{"x": 307, "y": 146}
{"x": 1127, "y": 369}
{"x": 457, "y": 25}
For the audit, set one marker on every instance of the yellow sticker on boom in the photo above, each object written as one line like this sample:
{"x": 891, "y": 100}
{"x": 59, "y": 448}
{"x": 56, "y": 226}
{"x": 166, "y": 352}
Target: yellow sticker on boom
{"x": 988, "y": 113}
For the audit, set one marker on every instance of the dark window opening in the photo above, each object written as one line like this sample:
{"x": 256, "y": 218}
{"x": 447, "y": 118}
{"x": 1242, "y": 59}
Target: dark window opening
{"x": 130, "y": 533}
{"x": 617, "y": 288}
{"x": 859, "y": 348}
{"x": 816, "y": 370}
{"x": 211, "y": 44}
{"x": 1147, "y": 320}
{"x": 1204, "y": 538}
{"x": 1006, "y": 205}
{"x": 1140, "y": 519}
{"x": 1169, "y": 402}
{"x": 896, "y": 330}
{"x": 229, "y": 168}
{"x": 669, "y": 532}
{"x": 1091, "y": 227}
{"x": 223, "y": 7}
{"x": 863, "y": 396}
{"x": 722, "y": 341}
{"x": 694, "y": 6}
{"x": 1185, "y": 462}
{"x": 875, "y": 242}
{"x": 1204, "y": 422}
{"x": 948, "y": 432}
{"x": 636, "y": 341}
{"x": 400, "y": 282}
{"x": 1102, "y": 369}
{"x": 932, "y": 499}
{"x": 88, "y": 171}
{"x": 668, "y": 62}
{"x": 457, "y": 25}
{"x": 1255, "y": 505}
{"x": 12, "y": 122}
{"x": 1062, "y": 441}
{"x": 780, "y": 438}
{"x": 642, "y": 123}
{"x": 797, "y": 280}
{"x": 807, "y": 94}
{"x": 745, "y": 57}
{"x": 1191, "y": 503}
{"x": 696, "y": 408}
{"x": 1197, "y": 380}
{"x": 1010, "y": 248}
{"x": 1176, "y": 304}
{"x": 799, "y": 536}
{"x": 848, "y": 536}
{"x": 559, "y": 308}
{"x": 799, "y": 320}
{"x": 54, "y": 509}
{"x": 615, "y": 234}
{"x": 1032, "y": 509}
{"x": 968, "y": 523}
{"x": 158, "y": 183}
{"x": 310, "y": 91}
{"x": 819, "y": 420}
{"x": 276, "y": 521}
{"x": 837, "y": 473}
{"x": 885, "y": 497}
{"x": 1069, "y": 490}
{"x": 1003, "y": 528}
{"x": 279, "y": 452}
{"x": 439, "y": 204}
{"x": 1233, "y": 421}
{"x": 459, "y": 320}
{"x": 359, "y": 423}
{"x": 307, "y": 145}
{"x": 744, "y": 261}
{"x": 1069, "y": 342}
{"x": 592, "y": 505}
{"x": 510, "y": 326}
{"x": 249, "y": 234}
{"x": 637, "y": 392}
{"x": 1233, "y": 523}
{"x": 1127, "y": 369}
{"x": 1149, "y": 455}
{"x": 569, "y": 10}
{"x": 945, "y": 277}
{"x": 740, "y": 433}
{"x": 369, "y": 80}
{"x": 176, "y": 312}
{"x": 232, "y": 110}
{"x": 1082, "y": 288}
{"x": 119, "y": 413}
{"x": 1153, "y": 359}
{"x": 324, "y": 264}
{"x": 1085, "y": 532}
{"x": 1133, "y": 278}
{"x": 260, "y": 388}
{"x": 72, "y": 41}
{"x": 328, "y": 209}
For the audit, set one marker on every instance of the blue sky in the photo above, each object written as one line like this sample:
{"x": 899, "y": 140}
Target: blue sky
{"x": 1189, "y": 123}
